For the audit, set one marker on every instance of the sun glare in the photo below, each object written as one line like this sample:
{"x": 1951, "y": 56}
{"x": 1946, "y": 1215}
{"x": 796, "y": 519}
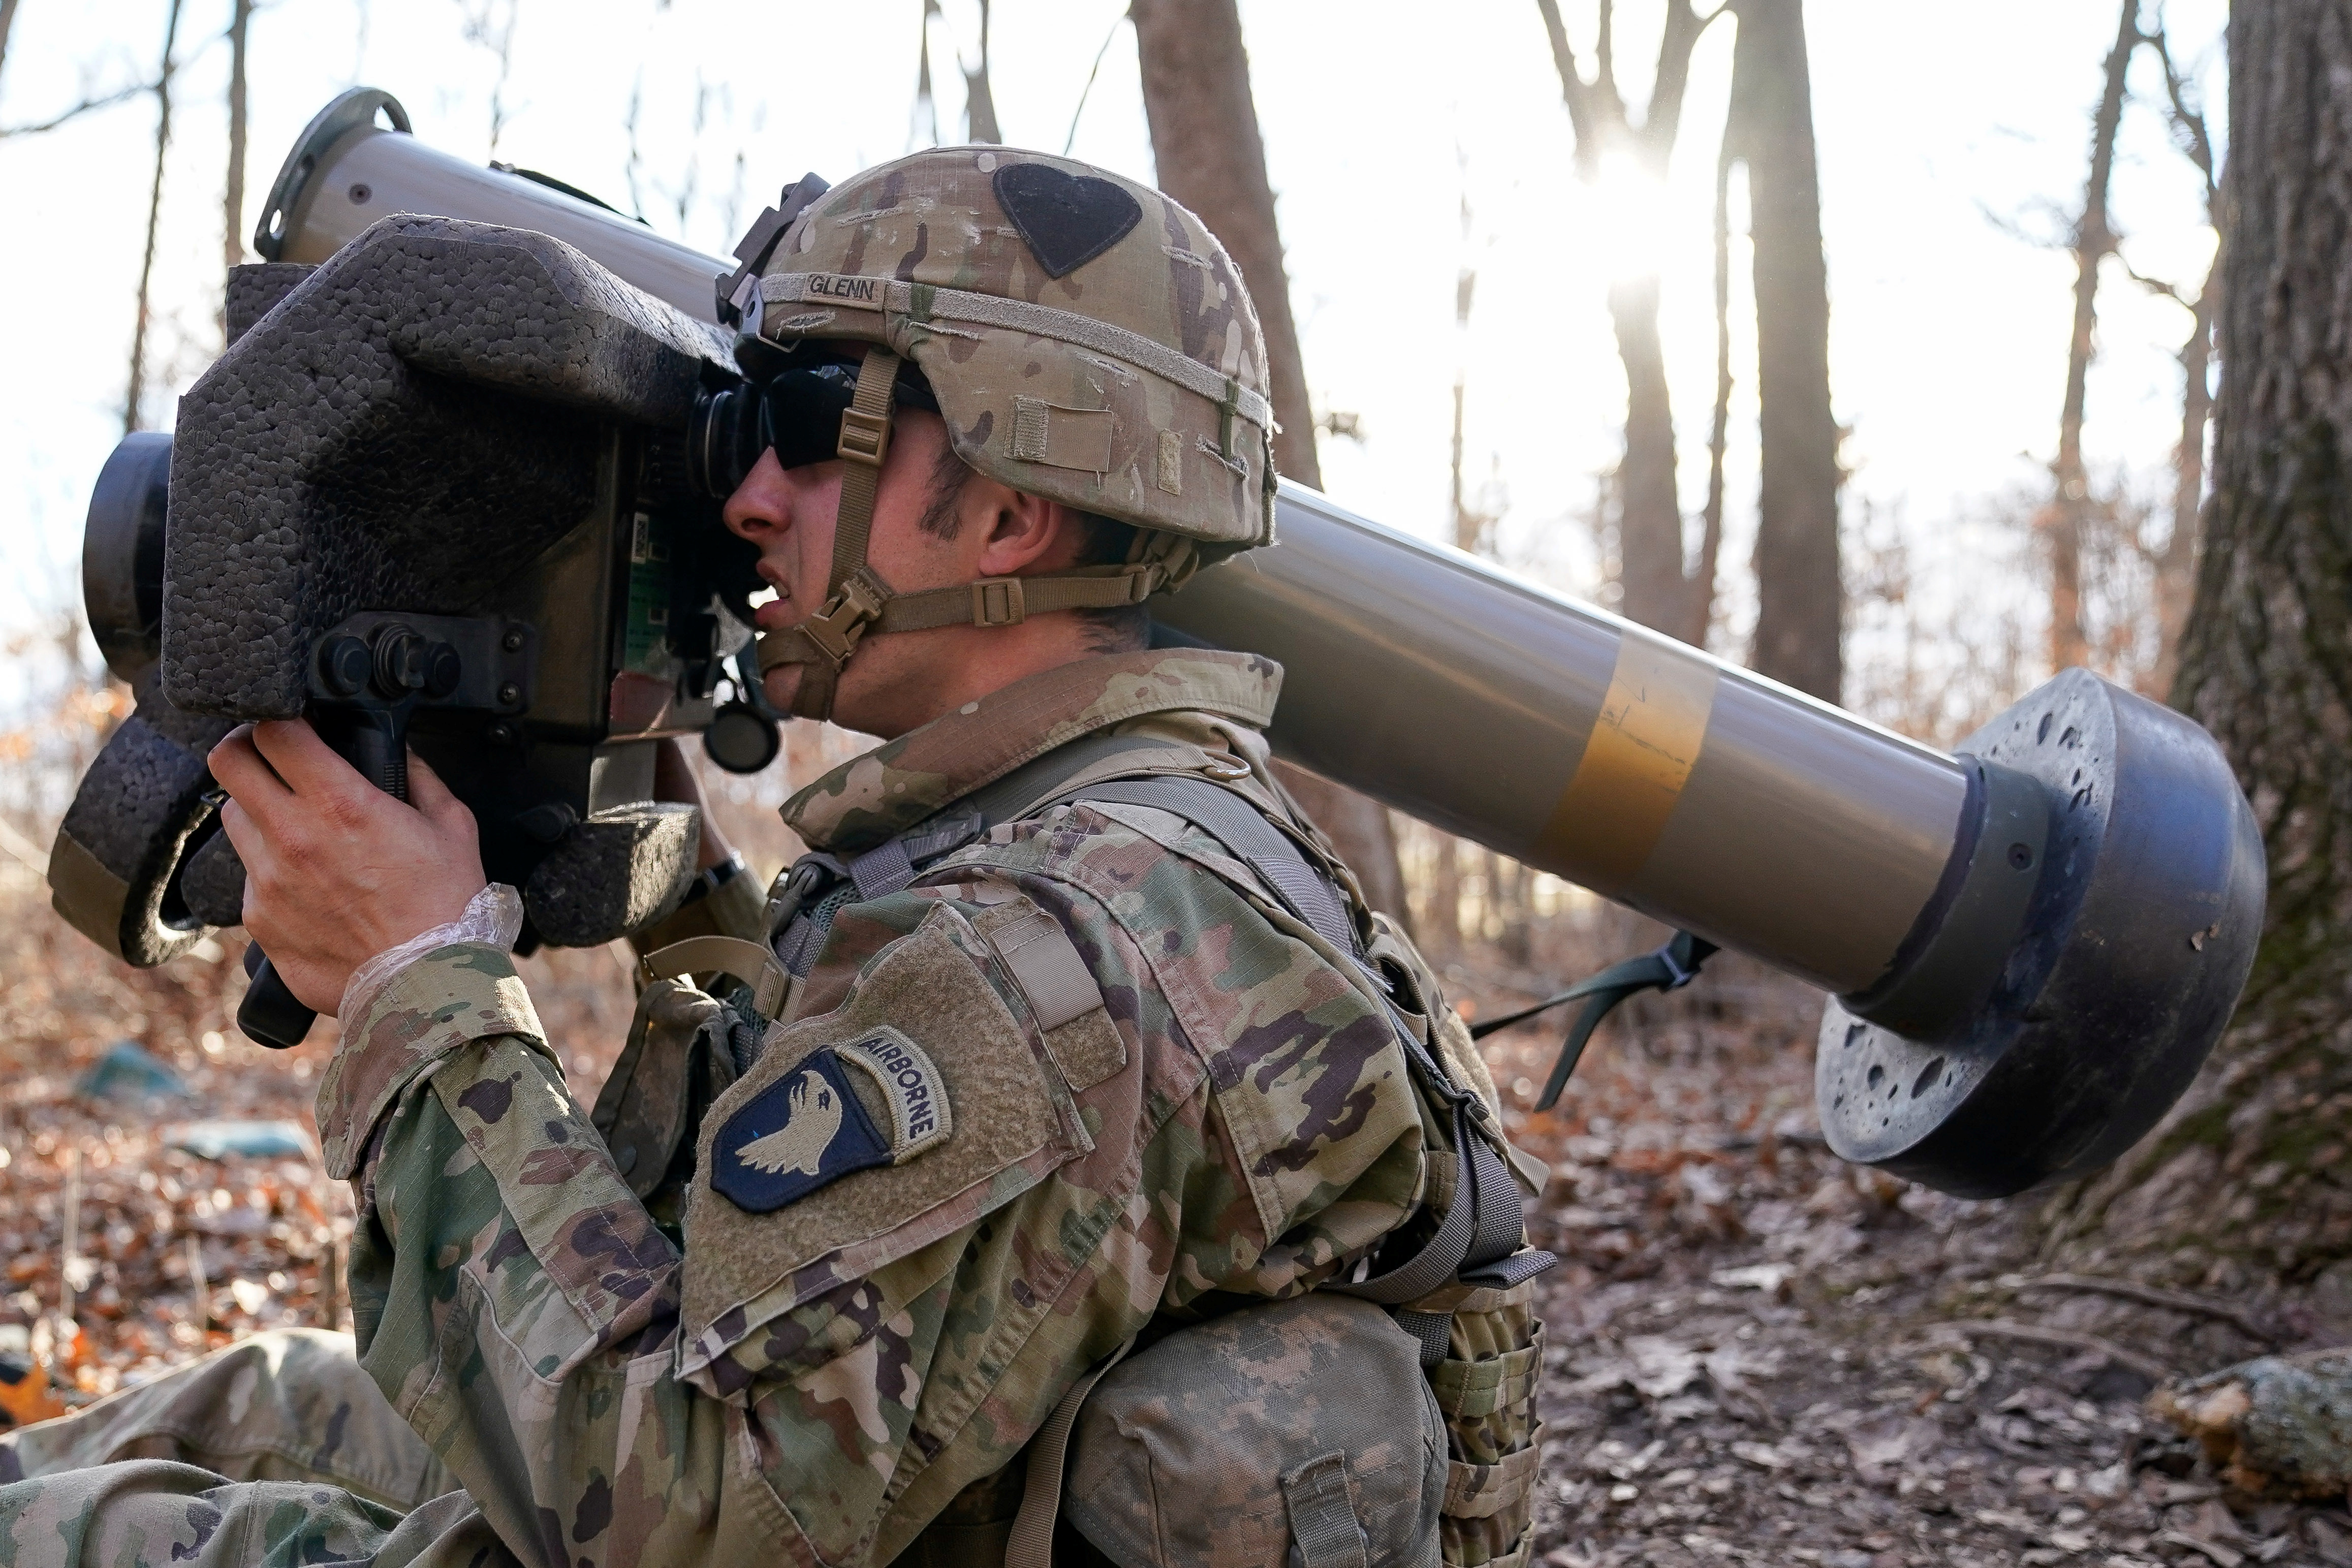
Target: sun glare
{"x": 1628, "y": 208}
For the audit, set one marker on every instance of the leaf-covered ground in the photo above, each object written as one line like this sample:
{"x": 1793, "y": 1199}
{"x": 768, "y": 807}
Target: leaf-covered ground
{"x": 1757, "y": 1354}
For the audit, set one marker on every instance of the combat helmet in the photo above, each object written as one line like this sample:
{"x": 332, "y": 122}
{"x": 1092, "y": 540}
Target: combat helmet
{"x": 1086, "y": 340}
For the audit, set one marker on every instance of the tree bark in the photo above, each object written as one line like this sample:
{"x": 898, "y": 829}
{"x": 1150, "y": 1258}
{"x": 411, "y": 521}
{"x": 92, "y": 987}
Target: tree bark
{"x": 1799, "y": 609}
{"x": 1211, "y": 157}
{"x": 2095, "y": 241}
{"x": 2244, "y": 1181}
{"x": 136, "y": 392}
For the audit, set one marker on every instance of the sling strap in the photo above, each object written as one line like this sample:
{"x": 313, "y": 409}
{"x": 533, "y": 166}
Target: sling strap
{"x": 1032, "y": 1542}
{"x": 1670, "y": 968}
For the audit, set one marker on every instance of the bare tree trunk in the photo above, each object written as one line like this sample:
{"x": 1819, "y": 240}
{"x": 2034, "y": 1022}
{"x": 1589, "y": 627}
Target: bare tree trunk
{"x": 1211, "y": 157}
{"x": 979, "y": 102}
{"x": 1442, "y": 930}
{"x": 232, "y": 197}
{"x": 1650, "y": 515}
{"x": 7, "y": 20}
{"x": 2244, "y": 1181}
{"x": 1657, "y": 591}
{"x": 138, "y": 387}
{"x": 1205, "y": 141}
{"x": 927, "y": 107}
{"x": 2095, "y": 241}
{"x": 1800, "y": 601}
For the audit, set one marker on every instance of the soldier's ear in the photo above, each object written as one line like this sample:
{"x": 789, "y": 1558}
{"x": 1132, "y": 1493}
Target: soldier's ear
{"x": 1021, "y": 532}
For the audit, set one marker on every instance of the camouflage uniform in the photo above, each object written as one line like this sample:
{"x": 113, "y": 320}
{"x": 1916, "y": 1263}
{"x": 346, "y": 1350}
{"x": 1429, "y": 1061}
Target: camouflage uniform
{"x": 816, "y": 1383}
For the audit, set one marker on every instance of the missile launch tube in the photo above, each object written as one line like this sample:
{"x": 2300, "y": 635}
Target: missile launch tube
{"x": 1581, "y": 744}
{"x": 346, "y": 172}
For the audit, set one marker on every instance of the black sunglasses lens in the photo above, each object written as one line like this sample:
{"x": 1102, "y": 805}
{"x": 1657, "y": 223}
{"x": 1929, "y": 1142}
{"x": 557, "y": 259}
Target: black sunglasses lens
{"x": 801, "y": 414}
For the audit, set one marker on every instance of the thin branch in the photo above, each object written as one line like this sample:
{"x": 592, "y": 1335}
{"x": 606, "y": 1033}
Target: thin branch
{"x": 635, "y": 163}
{"x": 2188, "y": 117}
{"x": 1584, "y": 102}
{"x": 1096, "y": 69}
{"x": 2156, "y": 286}
{"x": 86, "y": 106}
{"x": 2064, "y": 1339}
{"x": 2156, "y": 1296}
{"x": 925, "y": 103}
{"x": 1662, "y": 120}
{"x": 135, "y": 392}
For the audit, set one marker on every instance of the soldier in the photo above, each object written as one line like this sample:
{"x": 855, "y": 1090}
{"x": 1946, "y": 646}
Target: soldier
{"x": 1081, "y": 1032}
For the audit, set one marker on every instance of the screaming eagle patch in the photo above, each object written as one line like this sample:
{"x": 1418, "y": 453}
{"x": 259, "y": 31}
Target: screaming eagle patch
{"x": 811, "y": 1127}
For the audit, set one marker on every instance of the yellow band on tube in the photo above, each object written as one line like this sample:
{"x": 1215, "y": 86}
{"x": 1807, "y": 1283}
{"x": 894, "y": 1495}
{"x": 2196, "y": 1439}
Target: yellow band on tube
{"x": 1647, "y": 740}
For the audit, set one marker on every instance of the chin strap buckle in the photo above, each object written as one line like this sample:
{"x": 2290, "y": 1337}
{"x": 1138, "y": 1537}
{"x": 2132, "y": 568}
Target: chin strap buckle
{"x": 999, "y": 601}
{"x": 835, "y": 630}
{"x": 865, "y": 438}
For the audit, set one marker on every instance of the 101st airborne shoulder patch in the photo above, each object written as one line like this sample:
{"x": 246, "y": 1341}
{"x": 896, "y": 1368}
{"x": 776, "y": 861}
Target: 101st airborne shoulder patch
{"x": 811, "y": 1127}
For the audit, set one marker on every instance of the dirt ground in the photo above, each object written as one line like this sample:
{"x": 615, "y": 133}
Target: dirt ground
{"x": 1755, "y": 1353}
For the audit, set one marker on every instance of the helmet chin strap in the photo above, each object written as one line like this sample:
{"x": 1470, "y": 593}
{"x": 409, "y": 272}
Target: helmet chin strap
{"x": 859, "y": 602}
{"x": 853, "y": 595}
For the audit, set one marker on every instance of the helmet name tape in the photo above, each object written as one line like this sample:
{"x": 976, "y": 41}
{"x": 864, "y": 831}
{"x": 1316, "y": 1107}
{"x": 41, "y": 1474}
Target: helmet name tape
{"x": 844, "y": 290}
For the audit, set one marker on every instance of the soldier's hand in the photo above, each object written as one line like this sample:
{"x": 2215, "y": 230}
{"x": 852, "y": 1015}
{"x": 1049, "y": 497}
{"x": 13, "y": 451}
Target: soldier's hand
{"x": 336, "y": 870}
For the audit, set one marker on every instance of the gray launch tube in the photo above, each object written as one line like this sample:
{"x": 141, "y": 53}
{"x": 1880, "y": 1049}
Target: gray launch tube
{"x": 346, "y": 172}
{"x": 1586, "y": 745}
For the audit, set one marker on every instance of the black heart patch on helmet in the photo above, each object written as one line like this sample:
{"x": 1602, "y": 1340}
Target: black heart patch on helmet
{"x": 1067, "y": 219}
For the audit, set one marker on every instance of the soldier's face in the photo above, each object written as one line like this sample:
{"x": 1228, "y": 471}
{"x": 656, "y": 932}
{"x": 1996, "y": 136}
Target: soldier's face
{"x": 925, "y": 535}
{"x": 790, "y": 512}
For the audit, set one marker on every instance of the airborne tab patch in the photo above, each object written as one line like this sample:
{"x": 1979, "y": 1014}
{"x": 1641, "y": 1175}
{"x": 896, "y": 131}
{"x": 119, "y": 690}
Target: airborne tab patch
{"x": 919, "y": 1101}
{"x": 810, "y": 1128}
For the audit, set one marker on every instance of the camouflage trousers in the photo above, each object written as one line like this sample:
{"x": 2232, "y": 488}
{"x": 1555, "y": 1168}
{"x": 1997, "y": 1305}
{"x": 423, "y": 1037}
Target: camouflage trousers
{"x": 276, "y": 1451}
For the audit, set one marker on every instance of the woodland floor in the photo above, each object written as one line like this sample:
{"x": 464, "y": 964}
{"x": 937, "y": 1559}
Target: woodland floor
{"x": 1756, "y": 1354}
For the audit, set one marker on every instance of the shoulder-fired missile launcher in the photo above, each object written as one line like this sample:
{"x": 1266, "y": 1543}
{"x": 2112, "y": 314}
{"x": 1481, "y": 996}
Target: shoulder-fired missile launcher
{"x": 439, "y": 488}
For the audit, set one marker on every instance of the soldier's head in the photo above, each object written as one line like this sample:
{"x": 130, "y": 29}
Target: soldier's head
{"x": 1004, "y": 399}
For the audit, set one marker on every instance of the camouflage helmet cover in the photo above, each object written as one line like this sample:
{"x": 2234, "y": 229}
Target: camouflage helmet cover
{"x": 1087, "y": 338}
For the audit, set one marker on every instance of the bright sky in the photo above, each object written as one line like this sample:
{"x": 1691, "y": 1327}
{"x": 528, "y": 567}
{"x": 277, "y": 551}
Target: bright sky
{"x": 1948, "y": 333}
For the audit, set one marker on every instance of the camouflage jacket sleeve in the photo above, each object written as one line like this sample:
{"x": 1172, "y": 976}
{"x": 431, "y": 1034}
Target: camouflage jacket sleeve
{"x": 818, "y": 1380}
